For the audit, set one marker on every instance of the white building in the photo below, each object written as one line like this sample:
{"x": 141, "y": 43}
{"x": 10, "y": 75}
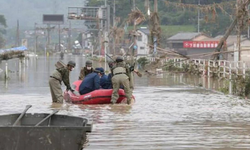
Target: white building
{"x": 142, "y": 41}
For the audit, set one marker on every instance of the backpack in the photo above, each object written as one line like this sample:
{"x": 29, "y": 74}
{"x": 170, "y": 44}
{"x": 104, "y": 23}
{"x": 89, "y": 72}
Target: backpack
{"x": 59, "y": 64}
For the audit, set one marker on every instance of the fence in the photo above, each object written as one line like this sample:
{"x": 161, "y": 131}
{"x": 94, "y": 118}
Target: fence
{"x": 220, "y": 68}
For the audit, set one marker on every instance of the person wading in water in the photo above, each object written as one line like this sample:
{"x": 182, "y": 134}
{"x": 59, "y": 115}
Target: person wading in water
{"x": 59, "y": 75}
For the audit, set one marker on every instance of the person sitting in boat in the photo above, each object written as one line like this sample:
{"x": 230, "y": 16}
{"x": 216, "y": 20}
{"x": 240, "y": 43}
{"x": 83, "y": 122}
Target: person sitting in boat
{"x": 91, "y": 82}
{"x": 120, "y": 77}
{"x": 109, "y": 82}
{"x": 60, "y": 74}
{"x": 86, "y": 70}
{"x": 104, "y": 79}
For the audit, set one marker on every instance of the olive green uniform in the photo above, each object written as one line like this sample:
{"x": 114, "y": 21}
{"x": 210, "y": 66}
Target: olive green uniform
{"x": 84, "y": 72}
{"x": 120, "y": 77}
{"x": 59, "y": 75}
{"x": 129, "y": 63}
{"x": 131, "y": 78}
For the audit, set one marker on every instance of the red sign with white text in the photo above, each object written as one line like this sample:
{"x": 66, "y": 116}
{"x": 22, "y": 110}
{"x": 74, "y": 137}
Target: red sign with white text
{"x": 200, "y": 44}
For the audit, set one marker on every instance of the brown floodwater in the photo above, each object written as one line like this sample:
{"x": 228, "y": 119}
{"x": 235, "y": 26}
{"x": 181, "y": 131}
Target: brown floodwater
{"x": 171, "y": 112}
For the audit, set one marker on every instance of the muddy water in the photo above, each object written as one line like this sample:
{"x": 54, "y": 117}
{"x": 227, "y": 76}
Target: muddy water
{"x": 171, "y": 112}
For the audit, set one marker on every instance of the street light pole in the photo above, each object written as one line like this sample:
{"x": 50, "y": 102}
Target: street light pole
{"x": 248, "y": 32}
{"x": 36, "y": 37}
{"x": 114, "y": 24}
{"x": 59, "y": 38}
{"x": 199, "y": 3}
{"x": 106, "y": 33}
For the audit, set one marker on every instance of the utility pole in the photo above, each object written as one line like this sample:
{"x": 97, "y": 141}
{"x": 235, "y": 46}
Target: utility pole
{"x": 156, "y": 6}
{"x": 106, "y": 30}
{"x": 36, "y": 37}
{"x": 114, "y": 25}
{"x": 248, "y": 32}
{"x": 239, "y": 27}
{"x": 59, "y": 32}
{"x": 134, "y": 40}
{"x": 17, "y": 34}
{"x": 48, "y": 36}
{"x": 199, "y": 3}
{"x": 108, "y": 19}
{"x": 157, "y": 23}
{"x": 69, "y": 36}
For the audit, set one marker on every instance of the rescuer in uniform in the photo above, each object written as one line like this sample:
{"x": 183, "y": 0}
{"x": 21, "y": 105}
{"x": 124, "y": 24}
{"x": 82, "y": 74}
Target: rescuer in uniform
{"x": 120, "y": 77}
{"x": 59, "y": 75}
{"x": 86, "y": 70}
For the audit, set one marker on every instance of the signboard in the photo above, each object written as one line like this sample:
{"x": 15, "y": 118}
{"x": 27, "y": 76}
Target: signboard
{"x": 200, "y": 44}
{"x": 53, "y": 19}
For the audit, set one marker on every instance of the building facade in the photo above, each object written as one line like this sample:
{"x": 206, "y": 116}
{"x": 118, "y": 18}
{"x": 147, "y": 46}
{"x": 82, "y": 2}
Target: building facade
{"x": 142, "y": 42}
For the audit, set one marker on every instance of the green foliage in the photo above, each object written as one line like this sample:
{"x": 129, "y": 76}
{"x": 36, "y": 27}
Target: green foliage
{"x": 178, "y": 18}
{"x": 225, "y": 88}
{"x": 240, "y": 86}
{"x": 247, "y": 85}
{"x": 169, "y": 15}
{"x": 3, "y": 21}
{"x": 174, "y": 16}
{"x": 170, "y": 30}
{"x": 219, "y": 26}
{"x": 185, "y": 67}
{"x": 142, "y": 62}
{"x": 169, "y": 65}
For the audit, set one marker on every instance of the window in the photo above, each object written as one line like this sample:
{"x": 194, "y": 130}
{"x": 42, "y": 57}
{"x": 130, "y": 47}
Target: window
{"x": 142, "y": 48}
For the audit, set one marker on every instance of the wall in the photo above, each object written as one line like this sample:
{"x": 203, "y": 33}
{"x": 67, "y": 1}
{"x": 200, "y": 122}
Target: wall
{"x": 142, "y": 42}
{"x": 245, "y": 55}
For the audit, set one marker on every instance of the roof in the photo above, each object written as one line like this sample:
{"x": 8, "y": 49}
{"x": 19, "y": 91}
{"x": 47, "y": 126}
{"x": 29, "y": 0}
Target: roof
{"x": 231, "y": 39}
{"x": 184, "y": 36}
{"x": 144, "y": 30}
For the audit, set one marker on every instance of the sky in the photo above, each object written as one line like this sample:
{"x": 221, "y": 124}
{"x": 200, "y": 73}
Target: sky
{"x": 29, "y": 12}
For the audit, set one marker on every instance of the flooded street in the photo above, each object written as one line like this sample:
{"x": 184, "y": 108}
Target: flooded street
{"x": 171, "y": 111}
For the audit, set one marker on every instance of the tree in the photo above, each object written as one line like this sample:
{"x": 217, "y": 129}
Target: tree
{"x": 217, "y": 27}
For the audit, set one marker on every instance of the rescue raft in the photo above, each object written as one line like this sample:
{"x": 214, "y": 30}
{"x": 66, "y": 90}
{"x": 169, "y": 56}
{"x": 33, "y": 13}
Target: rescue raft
{"x": 101, "y": 96}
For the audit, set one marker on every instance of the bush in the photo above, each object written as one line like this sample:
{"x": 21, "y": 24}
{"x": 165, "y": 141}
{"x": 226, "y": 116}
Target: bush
{"x": 142, "y": 62}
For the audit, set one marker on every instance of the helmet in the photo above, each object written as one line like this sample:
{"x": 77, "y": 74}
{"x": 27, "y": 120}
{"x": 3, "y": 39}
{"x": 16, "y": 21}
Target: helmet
{"x": 88, "y": 63}
{"x": 71, "y": 63}
{"x": 119, "y": 59}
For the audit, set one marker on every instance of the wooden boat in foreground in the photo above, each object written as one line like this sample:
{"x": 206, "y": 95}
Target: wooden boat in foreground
{"x": 101, "y": 96}
{"x": 41, "y": 131}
